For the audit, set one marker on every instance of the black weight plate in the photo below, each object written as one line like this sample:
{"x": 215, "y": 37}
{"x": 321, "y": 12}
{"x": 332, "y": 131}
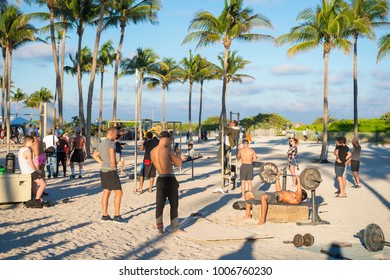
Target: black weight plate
{"x": 310, "y": 178}
{"x": 374, "y": 238}
{"x": 268, "y": 172}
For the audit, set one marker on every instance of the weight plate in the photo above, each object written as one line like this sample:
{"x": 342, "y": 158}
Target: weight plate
{"x": 310, "y": 178}
{"x": 374, "y": 238}
{"x": 268, "y": 172}
{"x": 298, "y": 240}
{"x": 308, "y": 240}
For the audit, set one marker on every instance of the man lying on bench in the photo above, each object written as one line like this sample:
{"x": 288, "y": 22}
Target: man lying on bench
{"x": 264, "y": 198}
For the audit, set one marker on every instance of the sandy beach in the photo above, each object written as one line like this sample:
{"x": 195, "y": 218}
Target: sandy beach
{"x": 73, "y": 230}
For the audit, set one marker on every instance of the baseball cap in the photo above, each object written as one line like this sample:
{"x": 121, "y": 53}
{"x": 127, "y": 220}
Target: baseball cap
{"x": 165, "y": 134}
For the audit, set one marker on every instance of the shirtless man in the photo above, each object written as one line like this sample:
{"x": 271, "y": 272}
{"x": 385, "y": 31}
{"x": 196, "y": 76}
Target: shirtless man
{"x": 289, "y": 197}
{"x": 79, "y": 153}
{"x": 246, "y": 155}
{"x": 38, "y": 153}
{"x": 167, "y": 186}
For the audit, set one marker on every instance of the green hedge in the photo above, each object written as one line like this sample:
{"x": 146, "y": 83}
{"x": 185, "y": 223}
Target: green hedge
{"x": 365, "y": 125}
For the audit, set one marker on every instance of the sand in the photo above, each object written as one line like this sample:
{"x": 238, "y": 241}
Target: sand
{"x": 215, "y": 231}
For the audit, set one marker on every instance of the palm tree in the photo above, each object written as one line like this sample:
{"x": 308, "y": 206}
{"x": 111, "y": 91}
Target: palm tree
{"x": 208, "y": 72}
{"x": 15, "y": 31}
{"x": 235, "y": 64}
{"x": 123, "y": 12}
{"x": 191, "y": 67}
{"x": 30, "y": 102}
{"x": 366, "y": 14}
{"x": 52, "y": 5}
{"x": 325, "y": 26}
{"x": 106, "y": 57}
{"x": 164, "y": 74}
{"x": 18, "y": 96}
{"x": 3, "y": 5}
{"x": 41, "y": 96}
{"x": 234, "y": 22}
{"x": 102, "y": 5}
{"x": 144, "y": 60}
{"x": 84, "y": 61}
{"x": 384, "y": 47}
{"x": 81, "y": 13}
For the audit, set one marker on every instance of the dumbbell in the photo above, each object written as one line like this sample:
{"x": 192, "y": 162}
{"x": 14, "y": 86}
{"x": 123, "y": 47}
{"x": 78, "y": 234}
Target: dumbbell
{"x": 300, "y": 240}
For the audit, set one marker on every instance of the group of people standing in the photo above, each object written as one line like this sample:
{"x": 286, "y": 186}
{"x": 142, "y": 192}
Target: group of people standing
{"x": 38, "y": 154}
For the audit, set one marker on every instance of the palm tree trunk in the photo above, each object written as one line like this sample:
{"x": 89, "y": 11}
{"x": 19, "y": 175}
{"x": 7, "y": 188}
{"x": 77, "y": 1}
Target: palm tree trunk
{"x": 54, "y": 50}
{"x": 3, "y": 84}
{"x": 163, "y": 107}
{"x": 200, "y": 112}
{"x": 92, "y": 78}
{"x": 324, "y": 150}
{"x": 17, "y": 108}
{"x": 117, "y": 59}
{"x": 7, "y": 98}
{"x": 79, "y": 79}
{"x": 355, "y": 91}
{"x": 61, "y": 93}
{"x": 224, "y": 89}
{"x": 101, "y": 104}
{"x": 189, "y": 110}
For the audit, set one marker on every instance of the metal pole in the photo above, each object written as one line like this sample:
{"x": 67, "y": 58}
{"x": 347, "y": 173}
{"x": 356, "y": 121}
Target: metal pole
{"x": 136, "y": 130}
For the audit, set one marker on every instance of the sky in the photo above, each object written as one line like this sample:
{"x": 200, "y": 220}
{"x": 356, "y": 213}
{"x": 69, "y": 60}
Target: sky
{"x": 289, "y": 86}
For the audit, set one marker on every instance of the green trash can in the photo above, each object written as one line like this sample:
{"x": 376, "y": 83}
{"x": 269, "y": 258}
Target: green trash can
{"x": 2, "y": 170}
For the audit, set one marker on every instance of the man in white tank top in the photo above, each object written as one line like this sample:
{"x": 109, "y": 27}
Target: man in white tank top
{"x": 27, "y": 166}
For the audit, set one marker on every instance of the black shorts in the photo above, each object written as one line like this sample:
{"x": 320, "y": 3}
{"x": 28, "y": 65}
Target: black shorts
{"x": 35, "y": 176}
{"x": 148, "y": 171}
{"x": 110, "y": 180}
{"x": 77, "y": 156}
{"x": 246, "y": 172}
{"x": 355, "y": 164}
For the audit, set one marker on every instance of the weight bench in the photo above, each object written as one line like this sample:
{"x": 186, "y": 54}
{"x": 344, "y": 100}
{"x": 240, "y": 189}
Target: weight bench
{"x": 192, "y": 163}
{"x": 15, "y": 188}
{"x": 277, "y": 212}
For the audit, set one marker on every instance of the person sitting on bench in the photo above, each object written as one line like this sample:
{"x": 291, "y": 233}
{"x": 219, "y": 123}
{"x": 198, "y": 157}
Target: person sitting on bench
{"x": 191, "y": 153}
{"x": 264, "y": 198}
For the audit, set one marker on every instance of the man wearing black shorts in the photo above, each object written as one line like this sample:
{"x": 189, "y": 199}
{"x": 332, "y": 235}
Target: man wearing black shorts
{"x": 105, "y": 154}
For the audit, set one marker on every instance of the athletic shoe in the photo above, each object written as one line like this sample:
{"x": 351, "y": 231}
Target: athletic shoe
{"x": 119, "y": 220}
{"x": 80, "y": 176}
{"x": 72, "y": 176}
{"x": 106, "y": 218}
{"x": 356, "y": 186}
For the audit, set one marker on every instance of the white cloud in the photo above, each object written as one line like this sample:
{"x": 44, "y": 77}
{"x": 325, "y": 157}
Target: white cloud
{"x": 289, "y": 69}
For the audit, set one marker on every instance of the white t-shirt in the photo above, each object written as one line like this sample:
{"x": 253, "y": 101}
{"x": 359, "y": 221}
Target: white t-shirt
{"x": 50, "y": 141}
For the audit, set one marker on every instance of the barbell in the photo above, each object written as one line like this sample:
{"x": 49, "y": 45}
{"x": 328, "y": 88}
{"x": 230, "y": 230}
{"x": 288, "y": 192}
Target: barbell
{"x": 310, "y": 176}
{"x": 374, "y": 238}
{"x": 300, "y": 240}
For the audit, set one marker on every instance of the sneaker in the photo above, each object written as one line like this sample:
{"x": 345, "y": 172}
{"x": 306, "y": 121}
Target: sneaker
{"x": 106, "y": 218}
{"x": 118, "y": 220}
{"x": 356, "y": 186}
{"x": 72, "y": 176}
{"x": 80, "y": 176}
